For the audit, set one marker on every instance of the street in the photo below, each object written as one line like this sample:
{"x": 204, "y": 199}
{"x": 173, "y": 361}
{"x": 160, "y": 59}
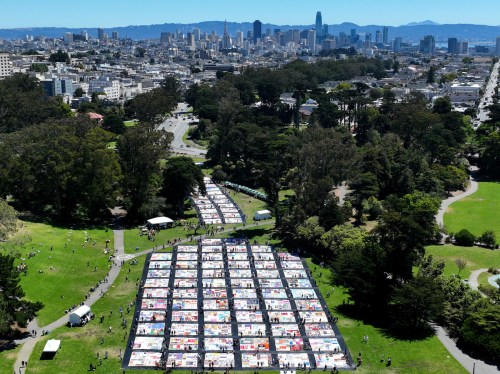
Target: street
{"x": 178, "y": 126}
{"x": 487, "y": 98}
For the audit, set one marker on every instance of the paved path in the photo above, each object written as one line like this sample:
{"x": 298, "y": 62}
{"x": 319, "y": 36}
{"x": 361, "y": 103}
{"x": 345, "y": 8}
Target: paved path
{"x": 471, "y": 188}
{"x": 473, "y": 282}
{"x": 464, "y": 359}
{"x": 28, "y": 344}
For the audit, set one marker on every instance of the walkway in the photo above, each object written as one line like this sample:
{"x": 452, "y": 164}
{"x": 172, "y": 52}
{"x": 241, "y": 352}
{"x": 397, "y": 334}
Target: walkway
{"x": 464, "y": 359}
{"x": 28, "y": 344}
{"x": 471, "y": 188}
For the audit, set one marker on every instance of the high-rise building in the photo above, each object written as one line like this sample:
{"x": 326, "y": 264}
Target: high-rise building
{"x": 197, "y": 34}
{"x": 100, "y": 34}
{"x": 397, "y": 44}
{"x": 368, "y": 40}
{"x": 463, "y": 48}
{"x": 385, "y": 35}
{"x": 453, "y": 46}
{"x": 378, "y": 37}
{"x": 311, "y": 40}
{"x": 428, "y": 45}
{"x": 257, "y": 31}
{"x": 319, "y": 27}
{"x": 497, "y": 49}
{"x": 68, "y": 37}
{"x": 5, "y": 65}
{"x": 325, "y": 32}
{"x": 114, "y": 35}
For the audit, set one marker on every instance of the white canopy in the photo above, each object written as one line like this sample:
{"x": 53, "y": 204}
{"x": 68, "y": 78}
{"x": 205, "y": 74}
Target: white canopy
{"x": 81, "y": 311}
{"x": 76, "y": 316}
{"x": 160, "y": 221}
{"x": 263, "y": 212}
{"x": 51, "y": 346}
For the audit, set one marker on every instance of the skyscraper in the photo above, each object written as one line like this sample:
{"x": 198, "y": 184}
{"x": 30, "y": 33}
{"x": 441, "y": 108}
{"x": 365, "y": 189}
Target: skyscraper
{"x": 319, "y": 27}
{"x": 397, "y": 44}
{"x": 385, "y": 35}
{"x": 257, "y": 30}
{"x": 378, "y": 37}
{"x": 311, "y": 40}
{"x": 100, "y": 34}
{"x": 453, "y": 46}
{"x": 428, "y": 45}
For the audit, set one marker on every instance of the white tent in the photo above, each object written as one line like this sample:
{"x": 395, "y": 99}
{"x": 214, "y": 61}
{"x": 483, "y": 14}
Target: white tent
{"x": 51, "y": 346}
{"x": 160, "y": 221}
{"x": 75, "y": 317}
{"x": 262, "y": 214}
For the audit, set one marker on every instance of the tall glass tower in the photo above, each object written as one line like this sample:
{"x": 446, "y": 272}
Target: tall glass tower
{"x": 319, "y": 27}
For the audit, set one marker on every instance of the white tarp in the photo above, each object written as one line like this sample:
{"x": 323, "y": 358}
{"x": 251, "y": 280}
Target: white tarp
{"x": 51, "y": 346}
{"x": 160, "y": 221}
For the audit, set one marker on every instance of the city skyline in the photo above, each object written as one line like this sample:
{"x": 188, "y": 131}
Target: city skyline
{"x": 114, "y": 13}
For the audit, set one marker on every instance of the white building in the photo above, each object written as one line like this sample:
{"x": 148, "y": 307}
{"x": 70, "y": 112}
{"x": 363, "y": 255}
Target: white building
{"x": 106, "y": 86}
{"x": 5, "y": 65}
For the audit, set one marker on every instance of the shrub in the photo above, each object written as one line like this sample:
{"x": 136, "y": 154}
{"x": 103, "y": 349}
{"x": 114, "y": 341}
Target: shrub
{"x": 465, "y": 238}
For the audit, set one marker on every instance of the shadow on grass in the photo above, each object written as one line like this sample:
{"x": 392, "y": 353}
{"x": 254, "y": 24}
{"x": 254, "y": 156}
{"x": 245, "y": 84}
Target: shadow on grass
{"x": 77, "y": 225}
{"x": 382, "y": 320}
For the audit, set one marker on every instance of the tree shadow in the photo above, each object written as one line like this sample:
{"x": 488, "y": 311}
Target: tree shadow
{"x": 381, "y": 320}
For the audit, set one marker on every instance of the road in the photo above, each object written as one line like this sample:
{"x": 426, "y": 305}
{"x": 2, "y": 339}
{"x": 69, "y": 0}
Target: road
{"x": 487, "y": 100}
{"x": 178, "y": 126}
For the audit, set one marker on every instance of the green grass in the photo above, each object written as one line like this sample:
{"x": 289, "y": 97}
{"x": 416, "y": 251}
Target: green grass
{"x": 131, "y": 123}
{"x": 477, "y": 213}
{"x": 476, "y": 258}
{"x": 248, "y": 204}
{"x": 483, "y": 279}
{"x": 8, "y": 359}
{"x": 408, "y": 357}
{"x": 70, "y": 275}
{"x": 79, "y": 345}
{"x": 112, "y": 145}
{"x": 133, "y": 239}
{"x": 285, "y": 194}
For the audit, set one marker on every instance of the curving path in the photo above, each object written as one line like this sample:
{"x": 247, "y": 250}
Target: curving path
{"x": 469, "y": 363}
{"x": 471, "y": 188}
{"x": 28, "y": 344}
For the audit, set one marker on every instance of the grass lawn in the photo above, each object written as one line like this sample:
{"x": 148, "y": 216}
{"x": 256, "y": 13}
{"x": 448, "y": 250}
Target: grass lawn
{"x": 79, "y": 345}
{"x": 112, "y": 145}
{"x": 476, "y": 258}
{"x": 8, "y": 359}
{"x": 131, "y": 123}
{"x": 70, "y": 275}
{"x": 417, "y": 356}
{"x": 248, "y": 204}
{"x": 133, "y": 239}
{"x": 483, "y": 279}
{"x": 285, "y": 194}
{"x": 477, "y": 213}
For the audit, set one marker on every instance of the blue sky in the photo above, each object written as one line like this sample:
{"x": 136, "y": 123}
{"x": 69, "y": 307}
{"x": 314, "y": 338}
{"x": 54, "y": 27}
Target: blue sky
{"x": 112, "y": 13}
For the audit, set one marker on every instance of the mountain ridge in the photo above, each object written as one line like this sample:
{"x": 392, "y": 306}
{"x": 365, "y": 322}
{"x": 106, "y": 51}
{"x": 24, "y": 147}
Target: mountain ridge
{"x": 411, "y": 32}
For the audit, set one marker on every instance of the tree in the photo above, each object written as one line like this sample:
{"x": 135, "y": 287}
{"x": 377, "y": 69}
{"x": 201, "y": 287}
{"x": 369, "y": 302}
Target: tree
{"x": 59, "y": 56}
{"x": 481, "y": 332}
{"x": 8, "y": 219}
{"x": 461, "y": 264}
{"x": 416, "y": 303}
{"x": 140, "y": 151}
{"x": 431, "y": 74}
{"x": 12, "y": 306}
{"x": 465, "y": 238}
{"x": 79, "y": 92}
{"x": 442, "y": 105}
{"x": 309, "y": 233}
{"x": 488, "y": 238}
{"x": 343, "y": 239}
{"x": 113, "y": 123}
{"x": 181, "y": 177}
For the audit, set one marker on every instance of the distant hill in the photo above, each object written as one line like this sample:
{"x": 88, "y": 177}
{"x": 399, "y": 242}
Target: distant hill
{"x": 411, "y": 32}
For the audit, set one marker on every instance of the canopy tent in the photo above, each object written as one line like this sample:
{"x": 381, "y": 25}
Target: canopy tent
{"x": 51, "y": 346}
{"x": 75, "y": 318}
{"x": 160, "y": 221}
{"x": 262, "y": 214}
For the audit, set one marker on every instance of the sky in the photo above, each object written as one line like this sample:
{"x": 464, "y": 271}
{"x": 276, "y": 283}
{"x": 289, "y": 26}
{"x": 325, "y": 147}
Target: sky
{"x": 115, "y": 13}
